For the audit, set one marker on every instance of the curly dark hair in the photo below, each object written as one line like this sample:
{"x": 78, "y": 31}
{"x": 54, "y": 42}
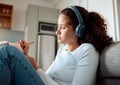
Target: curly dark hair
{"x": 95, "y": 28}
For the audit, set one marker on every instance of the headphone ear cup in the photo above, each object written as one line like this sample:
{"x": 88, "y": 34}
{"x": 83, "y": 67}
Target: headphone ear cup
{"x": 80, "y": 30}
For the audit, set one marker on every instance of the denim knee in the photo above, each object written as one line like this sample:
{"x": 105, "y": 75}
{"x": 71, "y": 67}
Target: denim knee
{"x": 16, "y": 69}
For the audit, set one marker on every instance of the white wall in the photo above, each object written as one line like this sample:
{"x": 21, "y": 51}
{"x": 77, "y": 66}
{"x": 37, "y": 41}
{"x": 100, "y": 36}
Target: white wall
{"x": 20, "y": 7}
{"x": 117, "y": 18}
{"x": 64, "y": 3}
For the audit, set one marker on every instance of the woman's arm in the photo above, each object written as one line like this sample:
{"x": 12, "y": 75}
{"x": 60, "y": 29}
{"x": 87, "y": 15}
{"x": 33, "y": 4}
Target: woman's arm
{"x": 33, "y": 62}
{"x": 25, "y": 47}
{"x": 87, "y": 62}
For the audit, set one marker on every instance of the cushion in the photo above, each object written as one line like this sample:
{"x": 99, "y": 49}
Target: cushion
{"x": 110, "y": 61}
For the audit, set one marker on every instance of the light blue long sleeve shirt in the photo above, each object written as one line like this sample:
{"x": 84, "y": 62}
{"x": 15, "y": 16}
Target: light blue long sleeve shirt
{"x": 75, "y": 68}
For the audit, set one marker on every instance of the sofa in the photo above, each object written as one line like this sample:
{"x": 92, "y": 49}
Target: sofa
{"x": 109, "y": 66}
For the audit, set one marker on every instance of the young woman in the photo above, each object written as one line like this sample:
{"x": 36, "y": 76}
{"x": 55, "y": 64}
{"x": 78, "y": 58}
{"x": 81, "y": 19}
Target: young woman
{"x": 84, "y": 36}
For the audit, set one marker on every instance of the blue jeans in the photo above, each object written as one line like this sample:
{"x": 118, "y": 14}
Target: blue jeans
{"x": 15, "y": 69}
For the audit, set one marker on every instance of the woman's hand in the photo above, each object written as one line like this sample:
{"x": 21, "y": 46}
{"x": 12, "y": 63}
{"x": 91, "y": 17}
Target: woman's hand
{"x": 24, "y": 45}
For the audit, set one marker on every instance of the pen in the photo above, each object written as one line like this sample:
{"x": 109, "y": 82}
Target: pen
{"x": 29, "y": 43}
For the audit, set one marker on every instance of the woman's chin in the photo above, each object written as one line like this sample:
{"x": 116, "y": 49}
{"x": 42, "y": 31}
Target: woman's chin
{"x": 60, "y": 42}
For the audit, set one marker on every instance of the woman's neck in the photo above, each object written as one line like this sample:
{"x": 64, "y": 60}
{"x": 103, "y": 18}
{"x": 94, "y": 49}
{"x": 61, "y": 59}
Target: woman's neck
{"x": 71, "y": 47}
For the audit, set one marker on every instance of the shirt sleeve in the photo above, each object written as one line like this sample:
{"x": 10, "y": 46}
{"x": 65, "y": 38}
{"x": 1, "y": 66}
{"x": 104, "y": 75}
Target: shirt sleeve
{"x": 4, "y": 43}
{"x": 46, "y": 78}
{"x": 87, "y": 62}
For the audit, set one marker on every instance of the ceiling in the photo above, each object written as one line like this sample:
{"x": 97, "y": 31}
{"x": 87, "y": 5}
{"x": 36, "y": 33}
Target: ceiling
{"x": 52, "y": 1}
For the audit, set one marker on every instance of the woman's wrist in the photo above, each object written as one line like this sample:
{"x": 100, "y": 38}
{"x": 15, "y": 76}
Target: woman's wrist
{"x": 33, "y": 62}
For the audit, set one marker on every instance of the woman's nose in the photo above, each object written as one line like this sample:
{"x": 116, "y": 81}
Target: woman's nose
{"x": 57, "y": 31}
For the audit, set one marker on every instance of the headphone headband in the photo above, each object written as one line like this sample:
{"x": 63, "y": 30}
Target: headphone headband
{"x": 78, "y": 14}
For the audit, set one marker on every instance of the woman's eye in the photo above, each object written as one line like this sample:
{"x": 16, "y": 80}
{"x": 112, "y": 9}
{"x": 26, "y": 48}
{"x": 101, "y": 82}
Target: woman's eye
{"x": 62, "y": 27}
